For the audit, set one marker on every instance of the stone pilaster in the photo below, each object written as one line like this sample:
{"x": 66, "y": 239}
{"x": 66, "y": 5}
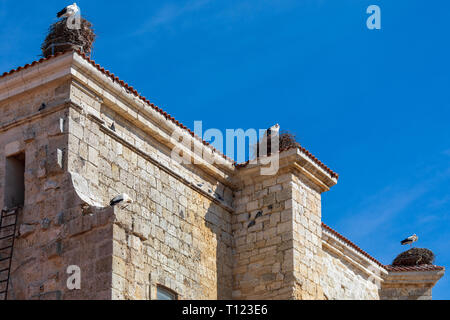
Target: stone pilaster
{"x": 277, "y": 230}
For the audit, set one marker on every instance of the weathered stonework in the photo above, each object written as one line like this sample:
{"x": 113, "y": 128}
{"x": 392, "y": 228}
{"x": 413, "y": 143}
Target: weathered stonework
{"x": 406, "y": 285}
{"x": 346, "y": 273}
{"x": 204, "y": 231}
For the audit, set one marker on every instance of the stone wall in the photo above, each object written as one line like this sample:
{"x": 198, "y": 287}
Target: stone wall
{"x": 53, "y": 233}
{"x": 341, "y": 280}
{"x": 176, "y": 234}
{"x": 277, "y": 232}
{"x": 263, "y": 247}
{"x": 204, "y": 230}
{"x": 307, "y": 236}
{"x": 347, "y": 274}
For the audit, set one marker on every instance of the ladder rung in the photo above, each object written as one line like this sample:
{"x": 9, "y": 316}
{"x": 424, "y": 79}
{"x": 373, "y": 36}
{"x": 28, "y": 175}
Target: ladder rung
{"x": 7, "y": 237}
{"x": 4, "y": 270}
{"x": 3, "y": 281}
{"x": 4, "y": 259}
{"x": 11, "y": 225}
{"x": 9, "y": 215}
{"x": 6, "y": 248}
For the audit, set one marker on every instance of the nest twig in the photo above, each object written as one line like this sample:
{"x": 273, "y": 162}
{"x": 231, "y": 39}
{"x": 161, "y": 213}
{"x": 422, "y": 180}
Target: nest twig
{"x": 60, "y": 38}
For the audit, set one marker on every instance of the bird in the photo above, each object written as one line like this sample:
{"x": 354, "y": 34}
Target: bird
{"x": 113, "y": 127}
{"x": 218, "y": 196}
{"x": 42, "y": 107}
{"x": 68, "y": 11}
{"x": 122, "y": 198}
{"x": 264, "y": 146}
{"x": 274, "y": 129}
{"x": 410, "y": 240}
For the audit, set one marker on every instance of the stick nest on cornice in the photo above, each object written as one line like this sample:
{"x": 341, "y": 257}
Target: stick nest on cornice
{"x": 60, "y": 38}
{"x": 414, "y": 257}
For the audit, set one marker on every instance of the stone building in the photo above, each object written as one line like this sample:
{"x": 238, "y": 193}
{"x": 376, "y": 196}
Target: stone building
{"x": 73, "y": 136}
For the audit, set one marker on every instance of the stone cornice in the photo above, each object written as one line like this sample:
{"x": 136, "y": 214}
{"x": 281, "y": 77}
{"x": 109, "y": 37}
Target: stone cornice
{"x": 113, "y": 95}
{"x": 413, "y": 278}
{"x": 132, "y": 108}
{"x": 51, "y": 108}
{"x": 35, "y": 76}
{"x": 296, "y": 161}
{"x": 338, "y": 247}
{"x": 121, "y": 100}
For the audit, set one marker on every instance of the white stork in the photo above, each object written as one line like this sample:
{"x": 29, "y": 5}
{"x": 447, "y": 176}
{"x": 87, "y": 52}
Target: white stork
{"x": 273, "y": 130}
{"x": 121, "y": 199}
{"x": 410, "y": 240}
{"x": 264, "y": 146}
{"x": 68, "y": 11}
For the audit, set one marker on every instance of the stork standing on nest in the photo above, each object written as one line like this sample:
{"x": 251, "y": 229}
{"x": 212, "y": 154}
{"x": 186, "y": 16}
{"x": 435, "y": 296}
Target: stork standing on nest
{"x": 410, "y": 240}
{"x": 68, "y": 11}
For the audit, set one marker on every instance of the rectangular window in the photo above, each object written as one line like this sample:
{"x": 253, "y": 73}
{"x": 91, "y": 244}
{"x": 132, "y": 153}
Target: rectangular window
{"x": 162, "y": 293}
{"x": 15, "y": 181}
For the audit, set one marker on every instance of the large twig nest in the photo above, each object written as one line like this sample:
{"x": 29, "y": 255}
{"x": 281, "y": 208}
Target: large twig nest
{"x": 288, "y": 140}
{"x": 415, "y": 257}
{"x": 60, "y": 38}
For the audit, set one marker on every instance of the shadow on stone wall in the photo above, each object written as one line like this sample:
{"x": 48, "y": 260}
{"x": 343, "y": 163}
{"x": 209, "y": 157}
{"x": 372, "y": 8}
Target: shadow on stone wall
{"x": 62, "y": 231}
{"x": 220, "y": 227}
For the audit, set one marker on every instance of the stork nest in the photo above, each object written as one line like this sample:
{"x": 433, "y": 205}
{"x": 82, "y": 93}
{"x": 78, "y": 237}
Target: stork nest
{"x": 288, "y": 141}
{"x": 414, "y": 257}
{"x": 60, "y": 38}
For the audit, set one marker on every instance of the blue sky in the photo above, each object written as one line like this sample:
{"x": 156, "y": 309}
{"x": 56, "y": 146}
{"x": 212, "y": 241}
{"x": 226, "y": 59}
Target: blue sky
{"x": 373, "y": 105}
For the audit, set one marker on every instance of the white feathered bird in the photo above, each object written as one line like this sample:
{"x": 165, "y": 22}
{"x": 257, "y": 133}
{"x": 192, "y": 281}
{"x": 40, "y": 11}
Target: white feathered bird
{"x": 68, "y": 11}
{"x": 121, "y": 199}
{"x": 264, "y": 146}
{"x": 410, "y": 240}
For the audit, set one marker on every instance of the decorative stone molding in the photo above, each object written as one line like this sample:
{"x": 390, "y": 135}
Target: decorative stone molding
{"x": 413, "y": 285}
{"x": 81, "y": 187}
{"x": 292, "y": 160}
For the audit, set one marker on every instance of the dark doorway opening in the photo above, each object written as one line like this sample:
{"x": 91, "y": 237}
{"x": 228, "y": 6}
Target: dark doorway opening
{"x": 15, "y": 181}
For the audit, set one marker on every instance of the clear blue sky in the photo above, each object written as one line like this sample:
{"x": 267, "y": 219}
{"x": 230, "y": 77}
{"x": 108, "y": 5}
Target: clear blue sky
{"x": 372, "y": 105}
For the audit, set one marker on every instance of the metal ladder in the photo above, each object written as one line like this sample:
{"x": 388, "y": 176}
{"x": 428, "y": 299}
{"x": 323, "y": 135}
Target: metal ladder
{"x": 8, "y": 225}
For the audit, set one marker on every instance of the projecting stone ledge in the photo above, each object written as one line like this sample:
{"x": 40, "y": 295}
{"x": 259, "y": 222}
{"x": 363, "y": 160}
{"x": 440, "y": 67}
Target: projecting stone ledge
{"x": 410, "y": 283}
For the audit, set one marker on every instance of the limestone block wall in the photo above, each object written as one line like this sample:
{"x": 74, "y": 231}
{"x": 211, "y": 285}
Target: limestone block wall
{"x": 262, "y": 231}
{"x": 178, "y": 231}
{"x": 28, "y": 103}
{"x": 53, "y": 231}
{"x": 277, "y": 232}
{"x": 307, "y": 237}
{"x": 348, "y": 274}
{"x": 342, "y": 281}
{"x": 205, "y": 231}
